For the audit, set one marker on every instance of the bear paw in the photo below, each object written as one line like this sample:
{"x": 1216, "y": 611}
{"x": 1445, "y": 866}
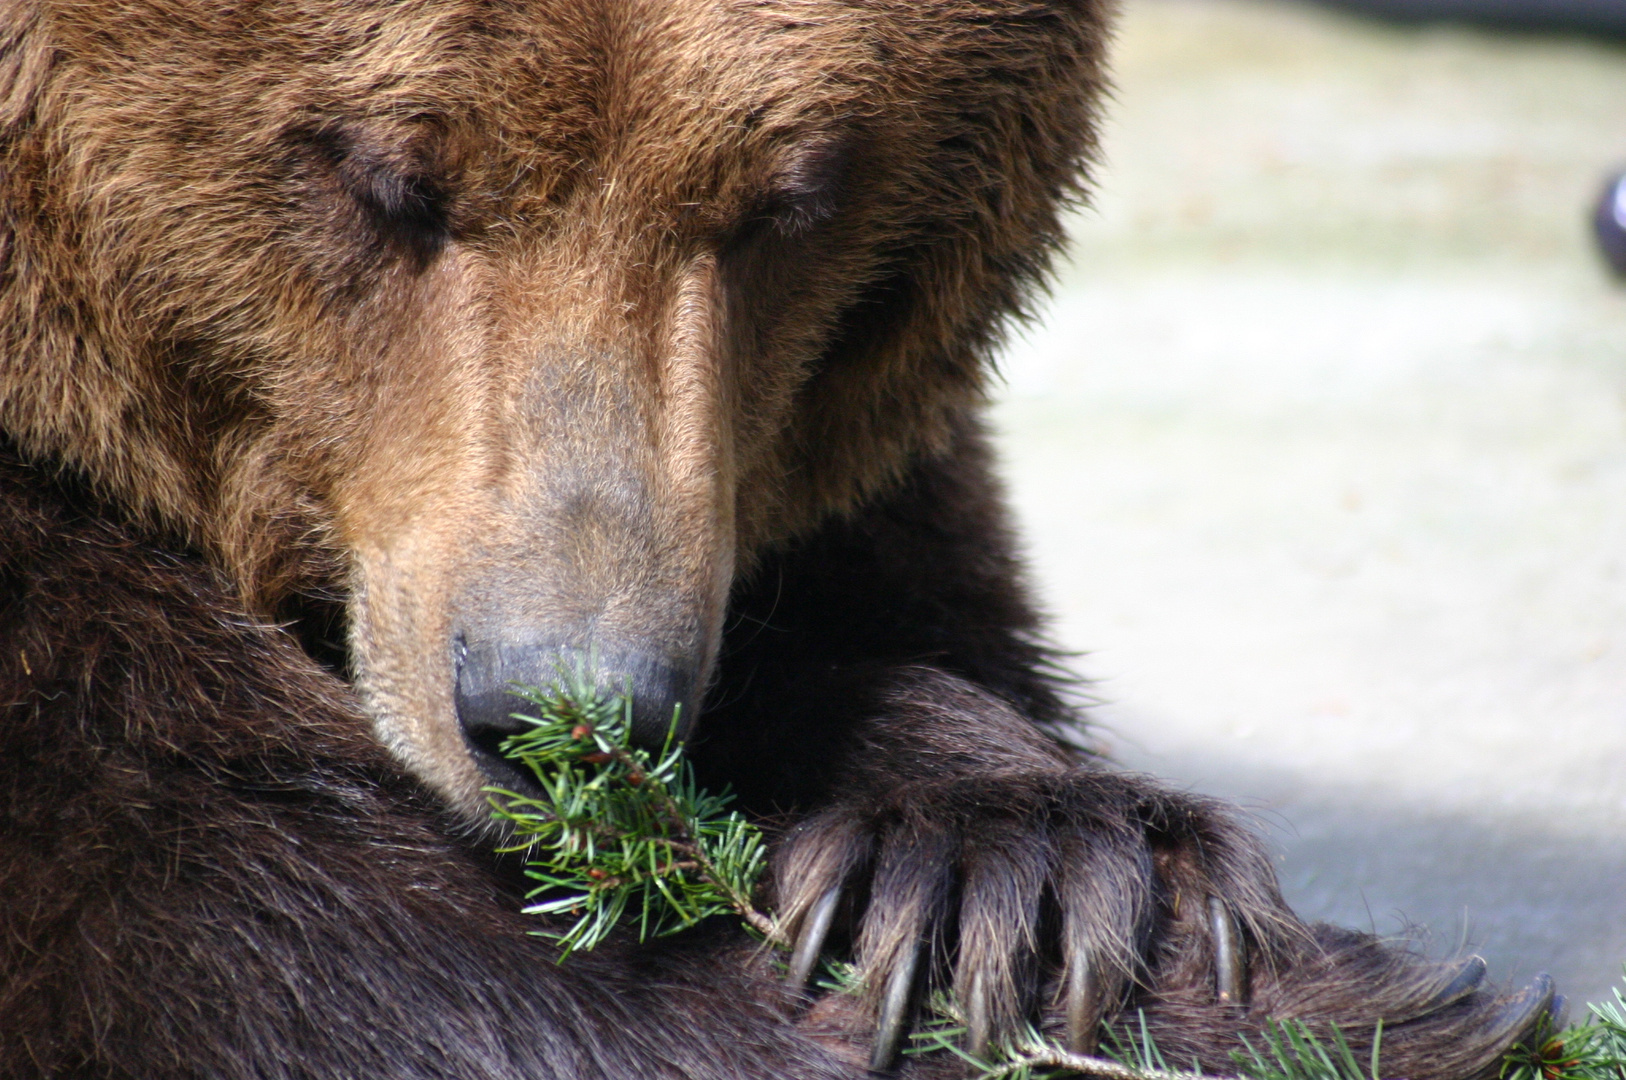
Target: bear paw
{"x": 1072, "y": 896}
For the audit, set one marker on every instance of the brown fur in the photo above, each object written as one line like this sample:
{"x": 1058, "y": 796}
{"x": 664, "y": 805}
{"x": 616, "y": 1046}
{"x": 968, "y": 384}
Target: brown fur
{"x": 493, "y": 330}
{"x": 426, "y": 259}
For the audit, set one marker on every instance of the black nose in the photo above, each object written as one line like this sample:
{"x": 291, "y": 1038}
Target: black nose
{"x": 488, "y": 671}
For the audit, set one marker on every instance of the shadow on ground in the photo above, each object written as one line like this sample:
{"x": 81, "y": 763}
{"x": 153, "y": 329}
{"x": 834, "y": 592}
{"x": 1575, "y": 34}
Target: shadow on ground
{"x": 1521, "y": 892}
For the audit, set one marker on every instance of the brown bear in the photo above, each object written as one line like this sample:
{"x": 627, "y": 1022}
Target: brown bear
{"x": 358, "y": 358}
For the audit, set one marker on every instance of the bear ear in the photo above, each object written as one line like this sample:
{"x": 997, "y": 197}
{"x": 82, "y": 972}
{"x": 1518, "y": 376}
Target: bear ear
{"x": 395, "y": 190}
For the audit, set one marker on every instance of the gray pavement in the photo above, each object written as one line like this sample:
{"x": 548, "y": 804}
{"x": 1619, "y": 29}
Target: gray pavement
{"x": 1321, "y": 455}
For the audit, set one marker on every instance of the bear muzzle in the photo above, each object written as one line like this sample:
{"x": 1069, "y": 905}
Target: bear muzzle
{"x": 664, "y": 695}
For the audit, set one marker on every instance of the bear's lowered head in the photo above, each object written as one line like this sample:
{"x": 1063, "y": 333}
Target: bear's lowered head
{"x": 517, "y": 333}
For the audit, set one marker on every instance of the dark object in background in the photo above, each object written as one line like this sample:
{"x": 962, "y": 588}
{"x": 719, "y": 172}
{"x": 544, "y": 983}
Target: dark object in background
{"x": 1609, "y": 224}
{"x": 1598, "y": 18}
{"x": 1605, "y": 18}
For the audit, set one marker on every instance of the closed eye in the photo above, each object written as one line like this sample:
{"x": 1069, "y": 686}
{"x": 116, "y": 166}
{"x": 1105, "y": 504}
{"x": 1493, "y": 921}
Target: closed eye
{"x": 397, "y": 197}
{"x": 409, "y": 210}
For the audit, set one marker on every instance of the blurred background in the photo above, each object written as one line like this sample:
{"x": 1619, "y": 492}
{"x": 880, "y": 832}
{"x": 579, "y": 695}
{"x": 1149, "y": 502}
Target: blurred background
{"x": 1320, "y": 454}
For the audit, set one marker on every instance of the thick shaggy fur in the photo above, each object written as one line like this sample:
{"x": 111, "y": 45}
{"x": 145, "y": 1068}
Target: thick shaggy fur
{"x": 357, "y": 357}
{"x": 211, "y": 869}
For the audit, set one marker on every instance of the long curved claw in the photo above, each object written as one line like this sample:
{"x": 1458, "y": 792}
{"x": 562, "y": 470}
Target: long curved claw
{"x": 810, "y": 942}
{"x": 1229, "y": 961}
{"x": 1083, "y": 1003}
{"x": 1463, "y": 983}
{"x": 1520, "y": 1015}
{"x": 979, "y": 1021}
{"x": 897, "y": 1003}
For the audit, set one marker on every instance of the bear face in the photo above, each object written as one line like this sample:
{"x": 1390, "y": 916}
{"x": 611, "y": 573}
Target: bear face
{"x": 501, "y": 324}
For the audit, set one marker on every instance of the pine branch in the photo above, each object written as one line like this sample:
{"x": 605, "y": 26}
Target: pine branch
{"x": 616, "y": 833}
{"x": 1032, "y": 1057}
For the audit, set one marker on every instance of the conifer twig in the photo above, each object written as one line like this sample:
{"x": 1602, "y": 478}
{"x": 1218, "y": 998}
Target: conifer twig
{"x": 1031, "y": 1056}
{"x": 1053, "y": 1057}
{"x": 614, "y": 831}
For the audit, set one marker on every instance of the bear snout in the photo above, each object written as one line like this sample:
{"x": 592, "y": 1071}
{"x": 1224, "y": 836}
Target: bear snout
{"x": 488, "y": 671}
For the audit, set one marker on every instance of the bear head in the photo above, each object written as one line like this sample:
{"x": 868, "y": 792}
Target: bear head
{"x": 515, "y": 332}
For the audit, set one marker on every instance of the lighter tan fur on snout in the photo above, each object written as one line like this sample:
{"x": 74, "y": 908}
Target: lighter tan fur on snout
{"x": 583, "y": 495}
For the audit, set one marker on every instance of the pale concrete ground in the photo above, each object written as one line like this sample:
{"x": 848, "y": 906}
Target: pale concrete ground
{"x": 1321, "y": 454}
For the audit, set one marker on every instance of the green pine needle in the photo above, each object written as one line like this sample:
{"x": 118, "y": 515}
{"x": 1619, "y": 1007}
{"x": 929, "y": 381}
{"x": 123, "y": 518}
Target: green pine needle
{"x": 617, "y": 834}
{"x": 1290, "y": 1051}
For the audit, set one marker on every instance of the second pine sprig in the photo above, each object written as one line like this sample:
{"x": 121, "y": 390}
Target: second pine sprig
{"x": 615, "y": 833}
